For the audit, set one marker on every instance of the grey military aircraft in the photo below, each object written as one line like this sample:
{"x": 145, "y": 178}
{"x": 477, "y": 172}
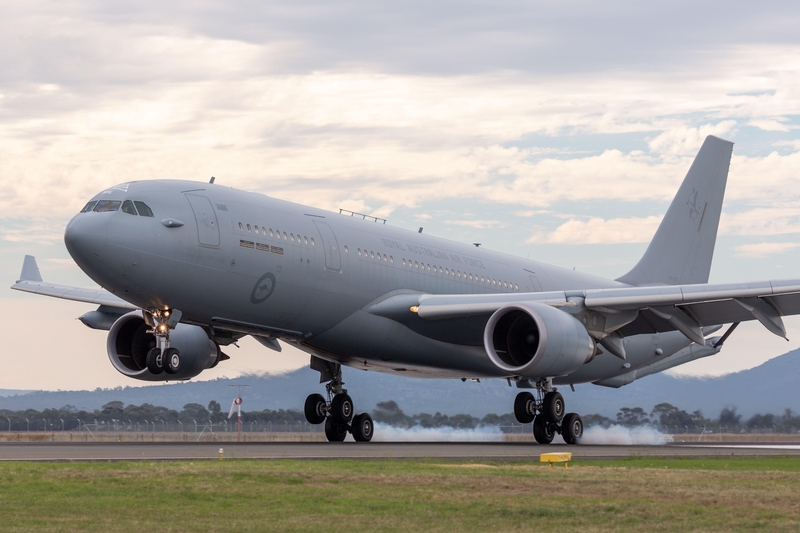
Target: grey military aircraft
{"x": 188, "y": 268}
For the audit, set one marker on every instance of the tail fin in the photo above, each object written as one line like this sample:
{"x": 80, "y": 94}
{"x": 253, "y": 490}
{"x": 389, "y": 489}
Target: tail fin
{"x": 683, "y": 246}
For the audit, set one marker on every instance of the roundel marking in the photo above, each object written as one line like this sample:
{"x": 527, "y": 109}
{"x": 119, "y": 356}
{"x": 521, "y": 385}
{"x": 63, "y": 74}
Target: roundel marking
{"x": 263, "y": 289}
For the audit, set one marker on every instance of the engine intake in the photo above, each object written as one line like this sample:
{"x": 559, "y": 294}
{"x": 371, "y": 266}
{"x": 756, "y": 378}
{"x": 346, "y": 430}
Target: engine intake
{"x": 128, "y": 343}
{"x": 535, "y": 340}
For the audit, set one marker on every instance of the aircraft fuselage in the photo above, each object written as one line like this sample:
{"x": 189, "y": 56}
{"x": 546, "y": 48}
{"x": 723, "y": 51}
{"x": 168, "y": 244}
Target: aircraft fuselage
{"x": 238, "y": 259}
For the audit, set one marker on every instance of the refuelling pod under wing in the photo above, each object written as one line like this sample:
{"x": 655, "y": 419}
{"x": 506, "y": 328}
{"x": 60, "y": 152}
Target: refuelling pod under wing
{"x": 128, "y": 343}
{"x": 534, "y": 340}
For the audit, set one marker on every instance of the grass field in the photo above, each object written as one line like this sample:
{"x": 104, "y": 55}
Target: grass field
{"x": 742, "y": 494}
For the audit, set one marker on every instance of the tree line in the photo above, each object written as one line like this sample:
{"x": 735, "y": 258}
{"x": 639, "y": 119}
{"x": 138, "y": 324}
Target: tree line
{"x": 667, "y": 416}
{"x": 116, "y": 414}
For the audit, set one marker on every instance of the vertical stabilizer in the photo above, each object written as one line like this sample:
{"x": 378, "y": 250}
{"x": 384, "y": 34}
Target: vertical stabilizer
{"x": 683, "y": 246}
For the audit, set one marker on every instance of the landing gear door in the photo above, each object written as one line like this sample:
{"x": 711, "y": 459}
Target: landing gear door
{"x": 333, "y": 261}
{"x": 207, "y": 227}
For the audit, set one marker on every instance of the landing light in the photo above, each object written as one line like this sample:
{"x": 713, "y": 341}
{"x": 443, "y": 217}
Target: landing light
{"x": 414, "y": 308}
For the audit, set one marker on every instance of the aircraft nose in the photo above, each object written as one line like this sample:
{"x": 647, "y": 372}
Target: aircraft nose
{"x": 85, "y": 238}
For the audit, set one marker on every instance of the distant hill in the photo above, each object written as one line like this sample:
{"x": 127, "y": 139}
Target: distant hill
{"x": 771, "y": 387}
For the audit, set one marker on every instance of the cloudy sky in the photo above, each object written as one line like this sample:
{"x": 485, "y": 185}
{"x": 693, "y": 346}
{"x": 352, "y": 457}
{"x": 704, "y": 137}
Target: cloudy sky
{"x": 558, "y": 131}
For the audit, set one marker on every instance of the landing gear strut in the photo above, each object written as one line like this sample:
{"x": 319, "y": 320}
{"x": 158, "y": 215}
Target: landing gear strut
{"x": 546, "y": 410}
{"x": 337, "y": 412}
{"x": 162, "y": 358}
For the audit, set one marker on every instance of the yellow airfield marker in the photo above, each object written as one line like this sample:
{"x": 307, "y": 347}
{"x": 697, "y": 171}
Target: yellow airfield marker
{"x": 562, "y": 457}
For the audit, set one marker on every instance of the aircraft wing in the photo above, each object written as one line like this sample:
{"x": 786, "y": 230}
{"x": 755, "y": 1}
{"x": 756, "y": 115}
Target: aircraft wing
{"x": 31, "y": 281}
{"x": 627, "y": 310}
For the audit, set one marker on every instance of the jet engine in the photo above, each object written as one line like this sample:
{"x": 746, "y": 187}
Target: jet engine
{"x": 535, "y": 340}
{"x": 128, "y": 343}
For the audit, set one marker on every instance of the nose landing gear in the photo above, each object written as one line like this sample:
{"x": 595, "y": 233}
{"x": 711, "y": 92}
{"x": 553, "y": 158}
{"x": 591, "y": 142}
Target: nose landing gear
{"x": 546, "y": 410}
{"x": 162, "y": 358}
{"x": 337, "y": 412}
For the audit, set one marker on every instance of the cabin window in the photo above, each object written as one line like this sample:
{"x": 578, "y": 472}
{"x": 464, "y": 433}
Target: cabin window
{"x": 346, "y": 250}
{"x": 291, "y": 237}
{"x": 249, "y": 229}
{"x": 241, "y": 227}
{"x": 305, "y": 240}
{"x": 359, "y": 252}
{"x": 416, "y": 264}
{"x": 403, "y": 261}
{"x": 385, "y": 258}
{"x": 312, "y": 242}
{"x": 285, "y": 237}
{"x": 372, "y": 255}
{"x": 104, "y": 206}
{"x": 270, "y": 233}
{"x": 391, "y": 259}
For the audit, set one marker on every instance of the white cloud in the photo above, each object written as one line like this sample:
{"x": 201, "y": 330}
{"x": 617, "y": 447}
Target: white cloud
{"x": 478, "y": 224}
{"x": 599, "y": 231}
{"x": 764, "y": 248}
{"x": 771, "y": 124}
{"x": 684, "y": 140}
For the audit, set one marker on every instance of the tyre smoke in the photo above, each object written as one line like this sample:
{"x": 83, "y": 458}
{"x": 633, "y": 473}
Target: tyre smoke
{"x": 386, "y": 433}
{"x": 624, "y": 436}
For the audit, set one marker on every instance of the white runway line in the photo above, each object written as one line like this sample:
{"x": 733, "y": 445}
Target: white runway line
{"x": 758, "y": 446}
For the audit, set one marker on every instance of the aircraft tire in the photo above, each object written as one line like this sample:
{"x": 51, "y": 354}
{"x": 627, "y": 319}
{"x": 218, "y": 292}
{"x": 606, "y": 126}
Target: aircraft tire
{"x": 553, "y": 408}
{"x": 335, "y": 432}
{"x": 543, "y": 430}
{"x": 315, "y": 409}
{"x": 342, "y": 408}
{"x": 572, "y": 428}
{"x": 171, "y": 362}
{"x": 153, "y": 361}
{"x": 521, "y": 412}
{"x": 362, "y": 427}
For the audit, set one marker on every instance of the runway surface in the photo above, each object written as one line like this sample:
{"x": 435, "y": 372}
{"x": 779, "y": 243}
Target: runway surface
{"x": 375, "y": 450}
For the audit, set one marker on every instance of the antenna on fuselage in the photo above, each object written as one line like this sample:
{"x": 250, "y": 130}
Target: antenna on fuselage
{"x": 212, "y": 179}
{"x": 420, "y": 229}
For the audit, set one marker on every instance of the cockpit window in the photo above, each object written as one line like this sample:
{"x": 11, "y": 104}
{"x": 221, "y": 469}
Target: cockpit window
{"x": 144, "y": 210}
{"x": 88, "y": 207}
{"x": 127, "y": 207}
{"x": 107, "y": 205}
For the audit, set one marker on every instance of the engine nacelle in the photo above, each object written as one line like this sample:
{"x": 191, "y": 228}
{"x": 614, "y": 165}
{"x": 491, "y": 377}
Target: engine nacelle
{"x": 128, "y": 343}
{"x": 535, "y": 340}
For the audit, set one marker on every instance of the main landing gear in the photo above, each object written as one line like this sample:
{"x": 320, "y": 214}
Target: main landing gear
{"x": 162, "y": 358}
{"x": 546, "y": 410}
{"x": 337, "y": 410}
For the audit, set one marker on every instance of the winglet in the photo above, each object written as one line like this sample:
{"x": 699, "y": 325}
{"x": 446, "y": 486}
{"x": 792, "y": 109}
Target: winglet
{"x": 30, "y": 270}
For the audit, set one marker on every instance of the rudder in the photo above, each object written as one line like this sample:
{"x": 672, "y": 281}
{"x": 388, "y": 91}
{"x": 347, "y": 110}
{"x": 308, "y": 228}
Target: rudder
{"x": 683, "y": 246}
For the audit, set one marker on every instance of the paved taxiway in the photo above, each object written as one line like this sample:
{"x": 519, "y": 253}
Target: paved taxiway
{"x": 375, "y": 450}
